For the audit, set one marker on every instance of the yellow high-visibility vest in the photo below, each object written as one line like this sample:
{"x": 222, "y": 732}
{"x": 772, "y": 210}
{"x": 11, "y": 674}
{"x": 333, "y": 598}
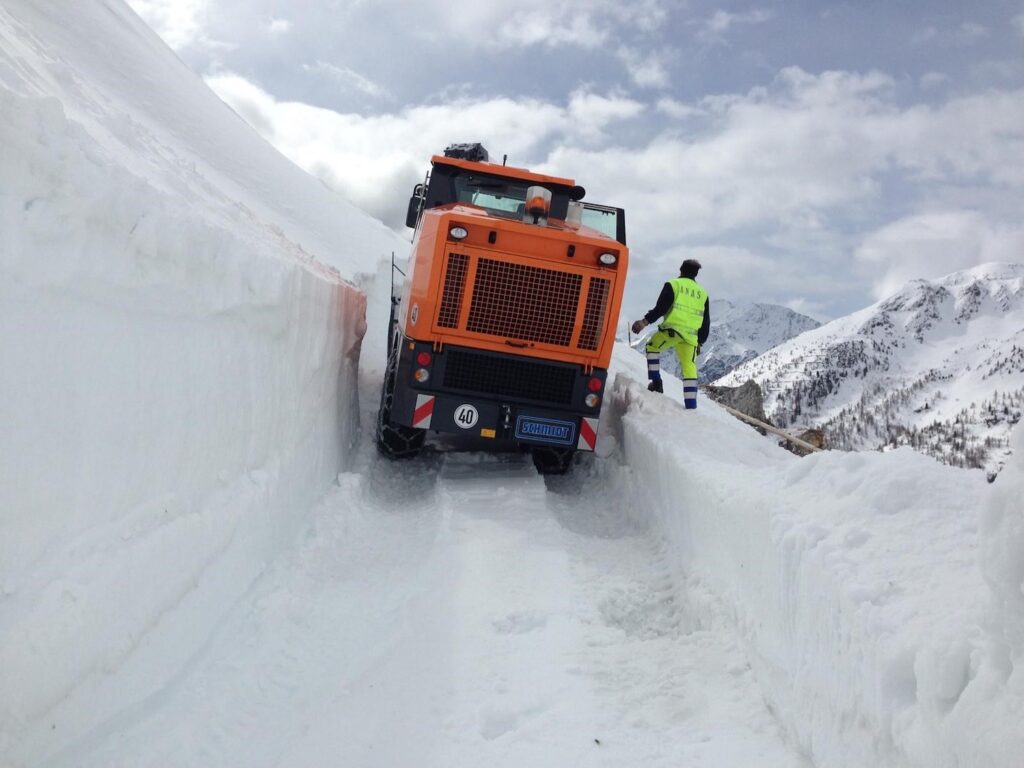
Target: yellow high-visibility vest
{"x": 687, "y": 313}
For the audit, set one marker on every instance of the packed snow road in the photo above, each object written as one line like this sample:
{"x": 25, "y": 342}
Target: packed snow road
{"x": 459, "y": 610}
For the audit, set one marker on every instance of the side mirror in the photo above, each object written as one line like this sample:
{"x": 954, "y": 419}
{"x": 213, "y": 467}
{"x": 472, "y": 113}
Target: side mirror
{"x": 412, "y": 213}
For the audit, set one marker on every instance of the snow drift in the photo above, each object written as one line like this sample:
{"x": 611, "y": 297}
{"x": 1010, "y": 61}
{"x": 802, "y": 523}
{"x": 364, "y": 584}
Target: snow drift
{"x": 177, "y": 375}
{"x": 854, "y": 578}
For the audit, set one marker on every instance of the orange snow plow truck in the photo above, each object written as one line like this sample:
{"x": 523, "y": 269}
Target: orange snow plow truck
{"x": 507, "y": 320}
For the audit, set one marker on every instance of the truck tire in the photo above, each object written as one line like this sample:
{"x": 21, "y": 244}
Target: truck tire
{"x": 395, "y": 440}
{"x": 552, "y": 461}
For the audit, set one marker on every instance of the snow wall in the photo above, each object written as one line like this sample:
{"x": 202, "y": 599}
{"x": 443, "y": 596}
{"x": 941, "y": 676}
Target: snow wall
{"x": 1001, "y": 662}
{"x": 177, "y": 365}
{"x": 854, "y": 579}
{"x": 171, "y": 399}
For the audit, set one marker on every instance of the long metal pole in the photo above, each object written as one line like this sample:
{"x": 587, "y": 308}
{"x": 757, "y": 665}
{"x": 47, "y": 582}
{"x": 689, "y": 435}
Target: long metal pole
{"x": 774, "y": 430}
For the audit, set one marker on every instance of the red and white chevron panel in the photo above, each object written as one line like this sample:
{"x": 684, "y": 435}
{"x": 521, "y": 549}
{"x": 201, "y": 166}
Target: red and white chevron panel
{"x": 588, "y": 434}
{"x": 424, "y": 411}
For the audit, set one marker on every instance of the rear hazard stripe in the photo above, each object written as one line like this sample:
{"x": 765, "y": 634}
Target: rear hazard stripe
{"x": 424, "y": 410}
{"x": 588, "y": 434}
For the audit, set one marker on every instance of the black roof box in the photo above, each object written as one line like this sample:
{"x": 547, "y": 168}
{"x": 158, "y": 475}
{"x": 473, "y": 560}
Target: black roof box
{"x": 474, "y": 152}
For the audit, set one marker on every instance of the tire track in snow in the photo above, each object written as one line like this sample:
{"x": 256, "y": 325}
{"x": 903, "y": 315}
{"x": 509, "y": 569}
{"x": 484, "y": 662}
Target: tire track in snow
{"x": 461, "y": 610}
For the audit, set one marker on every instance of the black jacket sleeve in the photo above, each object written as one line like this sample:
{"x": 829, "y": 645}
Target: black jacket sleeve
{"x": 705, "y": 327}
{"x": 664, "y": 304}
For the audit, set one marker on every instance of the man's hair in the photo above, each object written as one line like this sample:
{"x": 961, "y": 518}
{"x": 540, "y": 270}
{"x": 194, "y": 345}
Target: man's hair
{"x": 689, "y": 268}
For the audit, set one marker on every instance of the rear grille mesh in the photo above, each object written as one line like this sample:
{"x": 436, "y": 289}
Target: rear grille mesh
{"x": 593, "y": 315}
{"x": 509, "y": 377}
{"x": 451, "y": 296}
{"x": 520, "y": 302}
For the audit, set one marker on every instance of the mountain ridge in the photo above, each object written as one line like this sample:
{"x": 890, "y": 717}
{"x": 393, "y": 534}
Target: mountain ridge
{"x": 939, "y": 366}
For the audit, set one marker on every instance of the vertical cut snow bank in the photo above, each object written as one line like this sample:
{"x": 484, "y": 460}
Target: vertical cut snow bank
{"x": 173, "y": 396}
{"x": 854, "y": 578}
{"x": 177, "y": 372}
{"x": 999, "y": 687}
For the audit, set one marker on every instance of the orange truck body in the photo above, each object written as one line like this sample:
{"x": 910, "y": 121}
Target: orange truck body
{"x": 516, "y": 313}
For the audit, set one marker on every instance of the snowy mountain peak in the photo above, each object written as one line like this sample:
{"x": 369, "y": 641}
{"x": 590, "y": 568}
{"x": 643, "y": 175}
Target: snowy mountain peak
{"x": 988, "y": 289}
{"x": 756, "y": 326}
{"x": 741, "y": 332}
{"x": 938, "y": 365}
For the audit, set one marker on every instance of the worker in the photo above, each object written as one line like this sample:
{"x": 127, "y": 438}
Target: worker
{"x": 684, "y": 305}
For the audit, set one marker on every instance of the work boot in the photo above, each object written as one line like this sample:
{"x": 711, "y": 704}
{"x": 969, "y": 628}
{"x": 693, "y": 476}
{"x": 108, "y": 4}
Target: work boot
{"x": 655, "y": 386}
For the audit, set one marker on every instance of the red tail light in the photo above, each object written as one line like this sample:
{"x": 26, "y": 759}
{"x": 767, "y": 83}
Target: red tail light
{"x": 424, "y": 358}
{"x": 594, "y": 385}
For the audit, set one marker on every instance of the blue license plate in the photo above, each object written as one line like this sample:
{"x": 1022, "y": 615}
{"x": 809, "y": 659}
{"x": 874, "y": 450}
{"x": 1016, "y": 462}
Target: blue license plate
{"x": 546, "y": 430}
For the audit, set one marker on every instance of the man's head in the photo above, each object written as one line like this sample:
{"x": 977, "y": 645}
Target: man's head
{"x": 689, "y": 268}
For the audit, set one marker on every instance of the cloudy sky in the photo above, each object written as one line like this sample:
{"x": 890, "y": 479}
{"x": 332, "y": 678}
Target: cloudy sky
{"x": 812, "y": 154}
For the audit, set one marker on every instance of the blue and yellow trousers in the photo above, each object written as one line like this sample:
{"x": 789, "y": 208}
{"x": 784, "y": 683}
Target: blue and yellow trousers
{"x": 687, "y": 354}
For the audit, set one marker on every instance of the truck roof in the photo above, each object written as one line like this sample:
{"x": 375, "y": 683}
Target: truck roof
{"x": 502, "y": 170}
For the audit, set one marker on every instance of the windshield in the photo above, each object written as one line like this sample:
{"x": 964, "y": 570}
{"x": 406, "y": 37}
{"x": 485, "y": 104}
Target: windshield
{"x": 501, "y": 196}
{"x": 604, "y": 218}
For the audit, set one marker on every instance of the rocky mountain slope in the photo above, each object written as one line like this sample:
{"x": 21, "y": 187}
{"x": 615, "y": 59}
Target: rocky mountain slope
{"x": 938, "y": 366}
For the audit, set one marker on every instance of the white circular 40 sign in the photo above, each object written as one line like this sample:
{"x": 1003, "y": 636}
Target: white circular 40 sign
{"x": 466, "y": 416}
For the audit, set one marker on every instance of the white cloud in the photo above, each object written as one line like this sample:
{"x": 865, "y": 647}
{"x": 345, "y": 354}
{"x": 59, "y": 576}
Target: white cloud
{"x": 931, "y": 80}
{"x": 644, "y": 15}
{"x": 795, "y": 171}
{"x": 971, "y": 32}
{"x": 277, "y": 27}
{"x": 374, "y": 160}
{"x": 727, "y": 263}
{"x": 531, "y": 26}
{"x": 524, "y": 23}
{"x": 795, "y": 165}
{"x": 933, "y": 244}
{"x": 646, "y": 71}
{"x": 347, "y": 77}
{"x": 999, "y": 70}
{"x": 590, "y": 113}
{"x": 677, "y": 110}
{"x": 968, "y": 33}
{"x": 767, "y": 158}
{"x": 179, "y": 22}
{"x": 973, "y": 139}
{"x": 924, "y": 35}
{"x": 715, "y": 28}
